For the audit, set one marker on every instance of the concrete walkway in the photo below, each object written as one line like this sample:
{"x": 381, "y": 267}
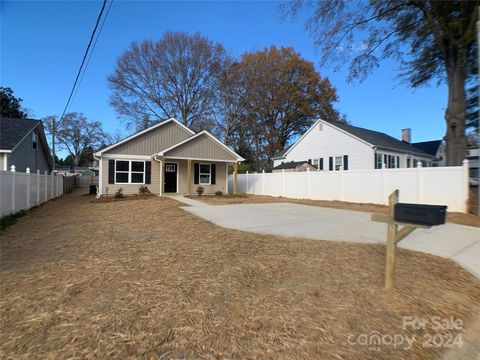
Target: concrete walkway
{"x": 458, "y": 242}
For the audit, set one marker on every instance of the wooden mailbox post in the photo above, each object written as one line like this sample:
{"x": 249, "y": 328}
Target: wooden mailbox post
{"x": 432, "y": 215}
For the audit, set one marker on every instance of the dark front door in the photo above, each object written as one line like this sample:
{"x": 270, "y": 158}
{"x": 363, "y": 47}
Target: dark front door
{"x": 170, "y": 178}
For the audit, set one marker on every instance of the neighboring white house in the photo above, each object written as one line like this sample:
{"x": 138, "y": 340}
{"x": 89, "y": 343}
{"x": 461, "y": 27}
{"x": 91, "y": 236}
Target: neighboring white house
{"x": 435, "y": 148}
{"x": 331, "y": 145}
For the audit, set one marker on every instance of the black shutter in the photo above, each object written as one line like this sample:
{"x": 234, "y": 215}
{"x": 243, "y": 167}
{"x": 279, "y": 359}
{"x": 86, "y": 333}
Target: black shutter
{"x": 213, "y": 173}
{"x": 111, "y": 171}
{"x": 196, "y": 171}
{"x": 148, "y": 172}
{"x": 330, "y": 163}
{"x": 309, "y": 161}
{"x": 321, "y": 164}
{"x": 345, "y": 162}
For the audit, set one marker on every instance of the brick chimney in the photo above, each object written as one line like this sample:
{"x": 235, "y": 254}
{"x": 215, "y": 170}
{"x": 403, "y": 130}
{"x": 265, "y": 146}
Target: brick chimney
{"x": 407, "y": 135}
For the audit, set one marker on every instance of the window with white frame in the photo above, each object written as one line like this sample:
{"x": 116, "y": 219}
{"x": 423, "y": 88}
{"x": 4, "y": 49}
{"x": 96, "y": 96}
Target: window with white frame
{"x": 338, "y": 162}
{"x": 205, "y": 174}
{"x": 129, "y": 172}
{"x": 315, "y": 163}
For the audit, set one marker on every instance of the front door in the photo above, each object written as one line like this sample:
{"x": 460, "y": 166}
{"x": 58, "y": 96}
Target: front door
{"x": 170, "y": 177}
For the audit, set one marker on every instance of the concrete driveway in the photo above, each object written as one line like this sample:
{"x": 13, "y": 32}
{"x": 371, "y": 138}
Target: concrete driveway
{"x": 458, "y": 242}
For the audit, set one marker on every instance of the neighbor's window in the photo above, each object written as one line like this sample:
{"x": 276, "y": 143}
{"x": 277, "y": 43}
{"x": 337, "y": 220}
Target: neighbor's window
{"x": 338, "y": 162}
{"x": 378, "y": 161}
{"x": 315, "y": 163}
{"x": 34, "y": 140}
{"x": 129, "y": 172}
{"x": 205, "y": 170}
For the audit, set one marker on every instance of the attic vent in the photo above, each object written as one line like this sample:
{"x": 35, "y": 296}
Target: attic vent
{"x": 320, "y": 127}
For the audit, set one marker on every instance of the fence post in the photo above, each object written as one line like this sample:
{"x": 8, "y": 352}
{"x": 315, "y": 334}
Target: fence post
{"x": 308, "y": 183}
{"x": 45, "y": 174}
{"x": 38, "y": 187}
{"x": 28, "y": 187}
{"x": 12, "y": 170}
{"x": 246, "y": 181}
{"x": 283, "y": 182}
{"x": 419, "y": 181}
{"x": 263, "y": 182}
{"x": 384, "y": 183}
{"x": 341, "y": 182}
{"x": 466, "y": 185}
{"x": 51, "y": 185}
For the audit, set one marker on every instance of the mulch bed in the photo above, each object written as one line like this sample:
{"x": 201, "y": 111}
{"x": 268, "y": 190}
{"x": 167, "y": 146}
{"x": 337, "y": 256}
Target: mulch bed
{"x": 453, "y": 217}
{"x": 147, "y": 280}
{"x": 109, "y": 199}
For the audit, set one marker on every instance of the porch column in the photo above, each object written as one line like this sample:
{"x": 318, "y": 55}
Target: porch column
{"x": 189, "y": 176}
{"x": 235, "y": 166}
{"x": 162, "y": 171}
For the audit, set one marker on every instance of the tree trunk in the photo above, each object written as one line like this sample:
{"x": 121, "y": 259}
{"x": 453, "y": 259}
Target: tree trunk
{"x": 455, "y": 138}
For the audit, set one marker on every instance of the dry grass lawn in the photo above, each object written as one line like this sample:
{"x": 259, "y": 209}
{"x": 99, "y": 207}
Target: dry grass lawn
{"x": 147, "y": 280}
{"x": 453, "y": 217}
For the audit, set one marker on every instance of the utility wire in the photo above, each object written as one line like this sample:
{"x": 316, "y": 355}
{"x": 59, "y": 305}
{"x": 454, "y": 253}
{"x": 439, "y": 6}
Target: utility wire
{"x": 84, "y": 58}
{"x": 91, "y": 52}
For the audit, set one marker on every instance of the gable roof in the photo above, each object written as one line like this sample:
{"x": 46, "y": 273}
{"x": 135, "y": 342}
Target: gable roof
{"x": 139, "y": 133}
{"x": 370, "y": 137}
{"x": 196, "y": 136}
{"x": 13, "y": 130}
{"x": 430, "y": 147}
{"x": 290, "y": 165}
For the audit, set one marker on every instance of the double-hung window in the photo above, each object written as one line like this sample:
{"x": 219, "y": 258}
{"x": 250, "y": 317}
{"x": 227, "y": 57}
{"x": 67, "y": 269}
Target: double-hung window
{"x": 205, "y": 174}
{"x": 315, "y": 163}
{"x": 338, "y": 162}
{"x": 129, "y": 172}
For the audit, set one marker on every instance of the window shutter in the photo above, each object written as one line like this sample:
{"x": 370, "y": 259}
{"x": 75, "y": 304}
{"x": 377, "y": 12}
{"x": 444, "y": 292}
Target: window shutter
{"x": 213, "y": 173}
{"x": 148, "y": 172}
{"x": 111, "y": 171}
{"x": 321, "y": 164}
{"x": 345, "y": 162}
{"x": 330, "y": 163}
{"x": 309, "y": 161}
{"x": 196, "y": 173}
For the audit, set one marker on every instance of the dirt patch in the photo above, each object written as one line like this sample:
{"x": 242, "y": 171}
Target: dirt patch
{"x": 109, "y": 199}
{"x": 145, "y": 279}
{"x": 452, "y": 217}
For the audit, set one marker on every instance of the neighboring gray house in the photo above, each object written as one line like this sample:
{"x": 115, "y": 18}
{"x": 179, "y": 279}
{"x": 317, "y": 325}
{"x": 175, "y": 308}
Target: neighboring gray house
{"x": 23, "y": 144}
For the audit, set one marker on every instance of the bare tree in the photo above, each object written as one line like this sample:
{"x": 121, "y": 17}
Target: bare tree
{"x": 173, "y": 77}
{"x": 76, "y": 134}
{"x": 431, "y": 39}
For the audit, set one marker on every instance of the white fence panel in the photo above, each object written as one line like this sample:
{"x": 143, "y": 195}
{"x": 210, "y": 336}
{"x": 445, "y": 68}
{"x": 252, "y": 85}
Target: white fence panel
{"x": 436, "y": 185}
{"x": 24, "y": 190}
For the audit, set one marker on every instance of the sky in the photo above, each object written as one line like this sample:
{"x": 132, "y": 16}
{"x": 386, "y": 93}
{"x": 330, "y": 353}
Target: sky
{"x": 42, "y": 44}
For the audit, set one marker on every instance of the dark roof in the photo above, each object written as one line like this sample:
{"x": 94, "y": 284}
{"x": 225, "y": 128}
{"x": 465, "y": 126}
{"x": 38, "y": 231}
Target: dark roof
{"x": 13, "y": 130}
{"x": 289, "y": 165}
{"x": 379, "y": 139}
{"x": 430, "y": 147}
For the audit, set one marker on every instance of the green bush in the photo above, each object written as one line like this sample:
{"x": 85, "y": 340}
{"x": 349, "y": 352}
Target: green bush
{"x": 144, "y": 190}
{"x": 119, "y": 193}
{"x": 200, "y": 190}
{"x": 218, "y": 193}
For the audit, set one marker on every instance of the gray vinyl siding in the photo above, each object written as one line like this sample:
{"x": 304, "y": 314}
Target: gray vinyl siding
{"x": 202, "y": 147}
{"x": 24, "y": 155}
{"x": 152, "y": 141}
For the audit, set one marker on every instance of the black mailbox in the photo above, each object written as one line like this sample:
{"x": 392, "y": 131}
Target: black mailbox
{"x": 420, "y": 214}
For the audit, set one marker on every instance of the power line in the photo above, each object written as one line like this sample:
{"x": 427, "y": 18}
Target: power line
{"x": 91, "y": 52}
{"x": 84, "y": 58}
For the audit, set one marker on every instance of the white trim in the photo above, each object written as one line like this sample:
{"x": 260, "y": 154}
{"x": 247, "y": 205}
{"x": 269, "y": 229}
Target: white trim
{"x": 129, "y": 157}
{"x": 98, "y": 153}
{"x": 5, "y": 151}
{"x": 100, "y": 177}
{"x": 226, "y": 179}
{"x": 199, "y": 159}
{"x": 204, "y": 132}
{"x": 178, "y": 175}
{"x": 129, "y": 172}
{"x": 209, "y": 174}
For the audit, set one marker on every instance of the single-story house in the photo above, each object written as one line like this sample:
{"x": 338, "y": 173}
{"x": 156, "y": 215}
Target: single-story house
{"x": 167, "y": 158}
{"x": 333, "y": 146}
{"x": 89, "y": 172}
{"x": 294, "y": 166}
{"x": 23, "y": 144}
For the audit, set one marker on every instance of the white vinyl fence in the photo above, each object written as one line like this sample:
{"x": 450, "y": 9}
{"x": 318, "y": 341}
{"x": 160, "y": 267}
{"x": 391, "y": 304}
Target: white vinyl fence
{"x": 423, "y": 185}
{"x": 24, "y": 190}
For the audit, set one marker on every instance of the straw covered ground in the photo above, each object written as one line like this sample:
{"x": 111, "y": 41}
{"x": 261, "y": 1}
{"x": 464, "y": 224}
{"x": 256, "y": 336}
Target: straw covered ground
{"x": 146, "y": 280}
